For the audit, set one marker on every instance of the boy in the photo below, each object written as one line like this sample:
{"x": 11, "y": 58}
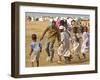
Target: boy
{"x": 52, "y": 32}
{"x": 63, "y": 49}
{"x": 35, "y": 50}
{"x": 75, "y": 46}
{"x": 85, "y": 38}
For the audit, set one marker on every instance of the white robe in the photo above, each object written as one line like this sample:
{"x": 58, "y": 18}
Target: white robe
{"x": 63, "y": 49}
{"x": 85, "y": 38}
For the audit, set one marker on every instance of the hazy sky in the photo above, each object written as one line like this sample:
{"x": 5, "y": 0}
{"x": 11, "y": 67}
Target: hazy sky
{"x": 55, "y": 14}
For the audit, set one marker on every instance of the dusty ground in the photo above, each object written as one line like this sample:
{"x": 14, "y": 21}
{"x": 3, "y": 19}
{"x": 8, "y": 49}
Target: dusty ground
{"x": 38, "y": 28}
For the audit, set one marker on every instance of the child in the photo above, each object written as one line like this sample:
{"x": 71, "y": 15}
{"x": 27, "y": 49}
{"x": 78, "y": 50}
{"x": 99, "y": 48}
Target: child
{"x": 75, "y": 38}
{"x": 35, "y": 50}
{"x": 75, "y": 46}
{"x": 85, "y": 38}
{"x": 63, "y": 49}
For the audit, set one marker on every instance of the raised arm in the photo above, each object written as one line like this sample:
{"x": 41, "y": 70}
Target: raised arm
{"x": 40, "y": 47}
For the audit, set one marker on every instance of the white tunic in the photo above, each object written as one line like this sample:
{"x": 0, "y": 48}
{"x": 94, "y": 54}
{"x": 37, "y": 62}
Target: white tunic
{"x": 64, "y": 47}
{"x": 85, "y": 38}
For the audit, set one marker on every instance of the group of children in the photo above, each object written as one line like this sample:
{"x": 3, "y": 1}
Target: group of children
{"x": 71, "y": 40}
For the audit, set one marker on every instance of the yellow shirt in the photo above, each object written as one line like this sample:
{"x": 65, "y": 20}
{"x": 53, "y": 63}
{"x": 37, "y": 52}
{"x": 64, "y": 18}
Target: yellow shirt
{"x": 51, "y": 34}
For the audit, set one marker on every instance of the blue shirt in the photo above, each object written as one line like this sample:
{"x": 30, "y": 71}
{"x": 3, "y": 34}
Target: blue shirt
{"x": 35, "y": 46}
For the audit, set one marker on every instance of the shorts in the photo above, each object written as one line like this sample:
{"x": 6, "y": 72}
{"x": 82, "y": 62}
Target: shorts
{"x": 35, "y": 56}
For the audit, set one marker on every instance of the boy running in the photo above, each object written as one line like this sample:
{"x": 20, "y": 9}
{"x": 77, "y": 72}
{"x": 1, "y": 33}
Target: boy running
{"x": 35, "y": 50}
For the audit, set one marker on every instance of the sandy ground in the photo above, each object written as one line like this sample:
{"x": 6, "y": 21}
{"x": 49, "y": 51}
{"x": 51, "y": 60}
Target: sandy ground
{"x": 38, "y": 28}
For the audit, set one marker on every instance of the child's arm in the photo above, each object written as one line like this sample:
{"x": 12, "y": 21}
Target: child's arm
{"x": 31, "y": 51}
{"x": 40, "y": 47}
{"x": 44, "y": 33}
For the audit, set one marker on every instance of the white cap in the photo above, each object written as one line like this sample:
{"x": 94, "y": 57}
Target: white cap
{"x": 50, "y": 20}
{"x": 61, "y": 27}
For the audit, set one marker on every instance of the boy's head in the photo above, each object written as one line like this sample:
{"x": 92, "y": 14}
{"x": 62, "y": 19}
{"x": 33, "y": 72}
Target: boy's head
{"x": 34, "y": 37}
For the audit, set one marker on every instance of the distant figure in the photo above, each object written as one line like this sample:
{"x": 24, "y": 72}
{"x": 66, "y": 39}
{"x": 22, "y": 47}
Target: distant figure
{"x": 29, "y": 18}
{"x": 35, "y": 50}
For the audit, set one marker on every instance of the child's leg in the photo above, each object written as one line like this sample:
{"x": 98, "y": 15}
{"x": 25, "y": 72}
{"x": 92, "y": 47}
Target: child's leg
{"x": 37, "y": 61}
{"x": 60, "y": 59}
{"x": 78, "y": 52}
{"x": 32, "y": 64}
{"x": 83, "y": 52}
{"x": 65, "y": 59}
{"x": 37, "y": 58}
{"x": 78, "y": 56}
{"x": 84, "y": 55}
{"x": 69, "y": 59}
{"x": 32, "y": 59}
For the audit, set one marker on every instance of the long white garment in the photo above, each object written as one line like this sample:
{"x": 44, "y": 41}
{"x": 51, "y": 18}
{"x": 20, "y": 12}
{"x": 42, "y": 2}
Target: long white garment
{"x": 64, "y": 47}
{"x": 85, "y": 38}
{"x": 75, "y": 47}
{"x": 76, "y": 44}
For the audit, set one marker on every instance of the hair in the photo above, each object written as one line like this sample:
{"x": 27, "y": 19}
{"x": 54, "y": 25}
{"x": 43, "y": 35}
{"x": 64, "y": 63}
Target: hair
{"x": 75, "y": 29}
{"x": 53, "y": 22}
{"x": 62, "y": 22}
{"x": 73, "y": 21}
{"x": 34, "y": 37}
